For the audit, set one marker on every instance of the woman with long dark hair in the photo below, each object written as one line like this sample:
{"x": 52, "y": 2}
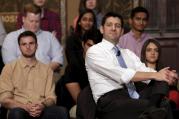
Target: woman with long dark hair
{"x": 151, "y": 56}
{"x": 151, "y": 53}
{"x": 75, "y": 76}
{"x": 86, "y": 21}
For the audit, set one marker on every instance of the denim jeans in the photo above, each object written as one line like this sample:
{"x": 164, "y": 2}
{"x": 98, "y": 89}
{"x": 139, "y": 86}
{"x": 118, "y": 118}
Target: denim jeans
{"x": 52, "y": 112}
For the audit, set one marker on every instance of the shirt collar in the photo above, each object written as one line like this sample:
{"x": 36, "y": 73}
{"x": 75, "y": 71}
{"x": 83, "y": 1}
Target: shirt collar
{"x": 36, "y": 33}
{"x": 108, "y": 45}
{"x": 142, "y": 36}
{"x": 24, "y": 64}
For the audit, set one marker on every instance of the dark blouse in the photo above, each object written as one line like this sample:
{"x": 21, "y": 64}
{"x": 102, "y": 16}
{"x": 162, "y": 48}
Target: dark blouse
{"x": 75, "y": 70}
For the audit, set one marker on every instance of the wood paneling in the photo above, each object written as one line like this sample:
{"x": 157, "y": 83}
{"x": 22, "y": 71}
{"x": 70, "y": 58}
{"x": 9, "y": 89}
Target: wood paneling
{"x": 10, "y": 8}
{"x": 170, "y": 52}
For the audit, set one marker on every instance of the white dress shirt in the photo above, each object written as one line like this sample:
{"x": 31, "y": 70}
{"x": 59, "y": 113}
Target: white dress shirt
{"x": 104, "y": 72}
{"x": 49, "y": 49}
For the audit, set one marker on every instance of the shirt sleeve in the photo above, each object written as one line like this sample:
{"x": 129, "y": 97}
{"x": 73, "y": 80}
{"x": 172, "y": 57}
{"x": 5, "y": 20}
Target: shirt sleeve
{"x": 2, "y": 32}
{"x": 9, "y": 49}
{"x": 50, "y": 97}
{"x": 138, "y": 65}
{"x": 6, "y": 85}
{"x": 56, "y": 51}
{"x": 101, "y": 63}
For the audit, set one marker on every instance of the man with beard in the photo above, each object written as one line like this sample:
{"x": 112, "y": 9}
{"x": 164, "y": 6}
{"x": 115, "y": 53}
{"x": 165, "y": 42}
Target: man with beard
{"x": 135, "y": 39}
{"x": 27, "y": 86}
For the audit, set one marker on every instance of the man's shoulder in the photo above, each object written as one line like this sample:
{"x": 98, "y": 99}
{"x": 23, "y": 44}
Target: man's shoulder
{"x": 45, "y": 35}
{"x": 148, "y": 35}
{"x": 14, "y": 33}
{"x": 49, "y": 13}
{"x": 125, "y": 36}
{"x": 43, "y": 65}
{"x": 45, "y": 32}
{"x": 97, "y": 48}
{"x": 12, "y": 64}
{"x": 48, "y": 37}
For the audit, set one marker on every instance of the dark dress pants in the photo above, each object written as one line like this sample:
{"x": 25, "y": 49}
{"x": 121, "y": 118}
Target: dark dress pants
{"x": 52, "y": 112}
{"x": 118, "y": 105}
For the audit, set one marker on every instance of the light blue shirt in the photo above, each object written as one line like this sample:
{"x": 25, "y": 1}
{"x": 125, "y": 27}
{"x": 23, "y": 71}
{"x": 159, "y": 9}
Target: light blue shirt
{"x": 49, "y": 49}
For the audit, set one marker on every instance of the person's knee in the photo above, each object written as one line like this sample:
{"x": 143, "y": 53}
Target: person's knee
{"x": 56, "y": 111}
{"x": 16, "y": 113}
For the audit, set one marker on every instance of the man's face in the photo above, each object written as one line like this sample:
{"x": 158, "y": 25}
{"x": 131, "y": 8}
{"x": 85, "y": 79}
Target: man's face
{"x": 139, "y": 21}
{"x": 28, "y": 46}
{"x": 39, "y": 3}
{"x": 31, "y": 22}
{"x": 112, "y": 29}
{"x": 91, "y": 4}
{"x": 87, "y": 45}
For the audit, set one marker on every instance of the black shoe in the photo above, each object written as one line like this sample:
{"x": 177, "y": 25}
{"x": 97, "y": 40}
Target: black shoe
{"x": 158, "y": 113}
{"x": 154, "y": 113}
{"x": 144, "y": 116}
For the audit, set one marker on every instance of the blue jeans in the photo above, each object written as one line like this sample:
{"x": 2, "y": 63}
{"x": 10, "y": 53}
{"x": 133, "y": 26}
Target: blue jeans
{"x": 52, "y": 112}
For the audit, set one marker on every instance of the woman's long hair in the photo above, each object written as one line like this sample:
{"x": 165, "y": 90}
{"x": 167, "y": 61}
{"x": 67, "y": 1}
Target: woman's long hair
{"x": 78, "y": 29}
{"x": 143, "y": 52}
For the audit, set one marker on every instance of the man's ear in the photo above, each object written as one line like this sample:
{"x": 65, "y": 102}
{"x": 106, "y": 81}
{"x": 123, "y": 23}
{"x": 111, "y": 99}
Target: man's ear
{"x": 101, "y": 29}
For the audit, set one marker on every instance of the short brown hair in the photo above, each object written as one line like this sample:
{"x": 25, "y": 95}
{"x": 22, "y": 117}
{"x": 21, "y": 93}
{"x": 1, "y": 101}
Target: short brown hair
{"x": 32, "y": 8}
{"x": 26, "y": 34}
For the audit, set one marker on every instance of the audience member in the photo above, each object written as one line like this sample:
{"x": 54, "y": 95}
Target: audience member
{"x": 2, "y": 36}
{"x": 93, "y": 5}
{"x": 112, "y": 71}
{"x": 151, "y": 53}
{"x": 50, "y": 21}
{"x": 49, "y": 50}
{"x": 20, "y": 91}
{"x": 135, "y": 39}
{"x": 75, "y": 77}
{"x": 151, "y": 56}
{"x": 74, "y": 53}
{"x": 85, "y": 22}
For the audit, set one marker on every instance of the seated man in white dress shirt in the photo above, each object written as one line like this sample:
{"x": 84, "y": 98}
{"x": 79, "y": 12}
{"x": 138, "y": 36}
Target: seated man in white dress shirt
{"x": 49, "y": 50}
{"x": 112, "y": 81}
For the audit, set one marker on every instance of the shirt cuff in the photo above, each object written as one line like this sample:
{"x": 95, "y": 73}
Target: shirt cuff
{"x": 60, "y": 61}
{"x": 128, "y": 75}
